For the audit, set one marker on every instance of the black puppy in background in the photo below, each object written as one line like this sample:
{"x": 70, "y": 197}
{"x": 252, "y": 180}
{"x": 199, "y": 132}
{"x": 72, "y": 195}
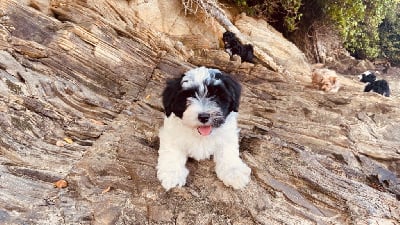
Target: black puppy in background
{"x": 378, "y": 86}
{"x": 234, "y": 47}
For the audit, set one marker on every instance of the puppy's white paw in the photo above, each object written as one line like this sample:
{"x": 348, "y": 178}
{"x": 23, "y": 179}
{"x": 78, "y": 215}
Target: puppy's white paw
{"x": 237, "y": 176}
{"x": 172, "y": 178}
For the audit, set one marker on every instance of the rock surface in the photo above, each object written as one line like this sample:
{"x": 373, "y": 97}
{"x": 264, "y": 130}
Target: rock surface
{"x": 80, "y": 101}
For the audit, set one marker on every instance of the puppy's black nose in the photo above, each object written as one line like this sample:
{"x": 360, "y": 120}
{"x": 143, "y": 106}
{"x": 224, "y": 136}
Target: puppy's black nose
{"x": 203, "y": 117}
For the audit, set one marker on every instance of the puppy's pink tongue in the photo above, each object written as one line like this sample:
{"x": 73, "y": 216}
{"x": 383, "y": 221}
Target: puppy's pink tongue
{"x": 204, "y": 130}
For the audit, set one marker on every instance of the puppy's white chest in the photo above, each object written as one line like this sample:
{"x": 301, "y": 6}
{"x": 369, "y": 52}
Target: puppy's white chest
{"x": 201, "y": 149}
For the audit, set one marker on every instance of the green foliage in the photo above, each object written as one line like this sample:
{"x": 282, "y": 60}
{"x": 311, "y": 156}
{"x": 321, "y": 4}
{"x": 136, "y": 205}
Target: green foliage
{"x": 291, "y": 7}
{"x": 284, "y": 12}
{"x": 389, "y": 35}
{"x": 358, "y": 22}
{"x": 241, "y": 2}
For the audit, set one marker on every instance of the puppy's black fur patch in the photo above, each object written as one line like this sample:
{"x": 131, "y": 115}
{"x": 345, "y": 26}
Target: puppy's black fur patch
{"x": 378, "y": 86}
{"x": 233, "y": 45}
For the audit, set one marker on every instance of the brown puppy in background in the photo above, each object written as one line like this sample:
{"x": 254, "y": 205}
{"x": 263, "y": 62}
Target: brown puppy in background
{"x": 325, "y": 80}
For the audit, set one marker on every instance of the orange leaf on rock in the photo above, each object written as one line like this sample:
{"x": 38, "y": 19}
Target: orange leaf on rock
{"x": 68, "y": 140}
{"x": 61, "y": 184}
{"x": 106, "y": 190}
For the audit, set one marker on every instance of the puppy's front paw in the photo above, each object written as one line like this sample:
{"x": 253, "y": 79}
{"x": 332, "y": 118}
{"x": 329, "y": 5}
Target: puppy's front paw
{"x": 172, "y": 178}
{"x": 237, "y": 176}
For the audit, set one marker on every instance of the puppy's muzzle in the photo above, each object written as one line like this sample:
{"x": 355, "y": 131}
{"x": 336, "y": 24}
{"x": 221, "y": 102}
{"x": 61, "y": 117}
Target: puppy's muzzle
{"x": 204, "y": 117}
{"x": 214, "y": 120}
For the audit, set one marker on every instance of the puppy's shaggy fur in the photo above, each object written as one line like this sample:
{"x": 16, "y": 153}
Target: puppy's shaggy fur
{"x": 325, "y": 80}
{"x": 201, "y": 110}
{"x": 378, "y": 86}
{"x": 234, "y": 47}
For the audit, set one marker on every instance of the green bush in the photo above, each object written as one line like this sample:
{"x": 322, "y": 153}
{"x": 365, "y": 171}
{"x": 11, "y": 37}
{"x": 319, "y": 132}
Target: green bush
{"x": 389, "y": 35}
{"x": 282, "y": 12}
{"x": 358, "y": 23}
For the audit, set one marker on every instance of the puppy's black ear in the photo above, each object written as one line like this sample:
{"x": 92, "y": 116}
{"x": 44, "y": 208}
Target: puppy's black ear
{"x": 373, "y": 77}
{"x": 169, "y": 94}
{"x": 370, "y": 77}
{"x": 249, "y": 53}
{"x": 234, "y": 89}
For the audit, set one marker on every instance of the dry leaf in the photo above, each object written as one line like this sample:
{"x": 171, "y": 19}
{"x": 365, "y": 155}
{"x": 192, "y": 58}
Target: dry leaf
{"x": 3, "y": 108}
{"x": 97, "y": 122}
{"x": 60, "y": 143}
{"x": 106, "y": 190}
{"x": 68, "y": 140}
{"x": 61, "y": 184}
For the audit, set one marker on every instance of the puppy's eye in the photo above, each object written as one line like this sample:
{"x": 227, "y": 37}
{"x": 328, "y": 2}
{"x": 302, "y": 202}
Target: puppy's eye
{"x": 218, "y": 76}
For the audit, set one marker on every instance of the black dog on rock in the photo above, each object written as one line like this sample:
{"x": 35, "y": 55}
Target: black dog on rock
{"x": 234, "y": 47}
{"x": 378, "y": 86}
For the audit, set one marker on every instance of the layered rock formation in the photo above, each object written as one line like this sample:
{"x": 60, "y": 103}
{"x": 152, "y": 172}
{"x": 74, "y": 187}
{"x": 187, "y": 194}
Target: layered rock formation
{"x": 80, "y": 101}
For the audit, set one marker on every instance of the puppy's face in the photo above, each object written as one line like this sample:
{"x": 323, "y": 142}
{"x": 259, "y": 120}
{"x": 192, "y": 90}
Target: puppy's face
{"x": 324, "y": 81}
{"x": 327, "y": 84}
{"x": 228, "y": 37}
{"x": 367, "y": 77}
{"x": 202, "y": 98}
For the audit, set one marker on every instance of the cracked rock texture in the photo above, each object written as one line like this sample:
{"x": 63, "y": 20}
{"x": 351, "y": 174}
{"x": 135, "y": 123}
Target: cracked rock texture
{"x": 80, "y": 101}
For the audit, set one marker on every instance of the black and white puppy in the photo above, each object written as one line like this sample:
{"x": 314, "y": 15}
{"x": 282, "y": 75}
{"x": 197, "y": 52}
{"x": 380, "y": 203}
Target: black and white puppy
{"x": 378, "y": 86}
{"x": 234, "y": 47}
{"x": 201, "y": 109}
